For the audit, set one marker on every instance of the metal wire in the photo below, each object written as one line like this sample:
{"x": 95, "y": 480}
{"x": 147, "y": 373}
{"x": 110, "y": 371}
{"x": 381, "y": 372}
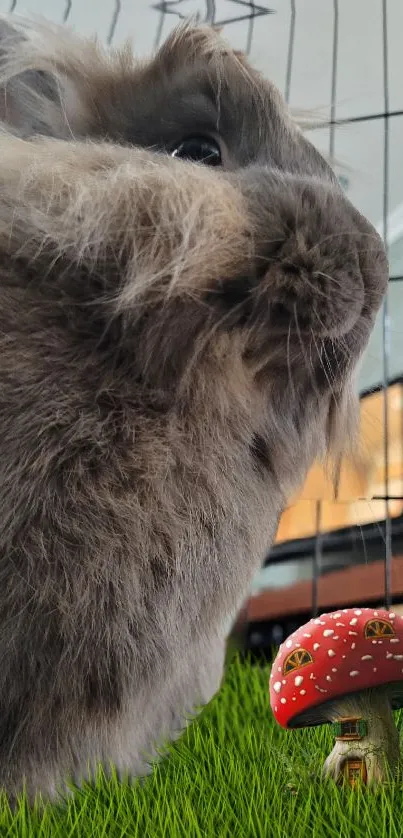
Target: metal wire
{"x": 115, "y": 16}
{"x": 334, "y": 78}
{"x": 210, "y": 11}
{"x": 255, "y": 11}
{"x": 249, "y": 11}
{"x": 317, "y": 559}
{"x": 67, "y": 10}
{"x": 386, "y": 331}
{"x": 251, "y": 23}
{"x": 351, "y": 120}
{"x": 290, "y": 54}
{"x": 160, "y": 27}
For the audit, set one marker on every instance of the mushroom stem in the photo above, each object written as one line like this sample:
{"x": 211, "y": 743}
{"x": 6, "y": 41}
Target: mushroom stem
{"x": 379, "y": 748}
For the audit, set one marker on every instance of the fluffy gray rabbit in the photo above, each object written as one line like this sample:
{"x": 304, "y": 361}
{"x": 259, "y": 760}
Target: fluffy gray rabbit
{"x": 185, "y": 292}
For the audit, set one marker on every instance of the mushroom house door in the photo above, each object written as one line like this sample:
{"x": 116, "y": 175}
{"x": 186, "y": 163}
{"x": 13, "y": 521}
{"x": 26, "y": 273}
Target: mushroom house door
{"x": 355, "y": 770}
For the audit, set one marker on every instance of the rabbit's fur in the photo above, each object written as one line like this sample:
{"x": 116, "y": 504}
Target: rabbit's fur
{"x": 177, "y": 345}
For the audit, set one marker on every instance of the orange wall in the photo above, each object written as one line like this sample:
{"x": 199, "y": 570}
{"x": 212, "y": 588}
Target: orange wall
{"x": 357, "y": 486}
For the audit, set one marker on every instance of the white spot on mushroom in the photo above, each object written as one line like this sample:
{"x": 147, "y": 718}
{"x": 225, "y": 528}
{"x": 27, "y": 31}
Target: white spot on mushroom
{"x": 302, "y": 692}
{"x": 337, "y": 615}
{"x": 374, "y": 669}
{"x": 398, "y": 657}
{"x": 293, "y": 698}
{"x": 279, "y": 669}
{"x": 353, "y": 633}
{"x": 320, "y": 689}
{"x": 367, "y": 658}
{"x": 328, "y": 632}
{"x": 288, "y": 643}
{"x": 392, "y": 615}
{"x": 375, "y": 613}
{"x": 354, "y": 672}
{"x": 336, "y": 637}
{"x": 319, "y": 622}
{"x": 316, "y": 646}
{"x": 374, "y": 642}
{"x": 284, "y": 681}
{"x": 341, "y": 624}
{"x": 345, "y": 610}
{"x": 343, "y": 656}
{"x": 334, "y": 669}
{"x": 283, "y": 700}
{"x": 331, "y": 653}
{"x": 353, "y": 622}
{"x": 312, "y": 677}
{"x": 277, "y": 686}
{"x": 328, "y": 678}
{"x": 352, "y": 646}
{"x": 389, "y": 655}
{"x": 394, "y": 640}
{"x": 307, "y": 634}
{"x": 298, "y": 680}
{"x": 358, "y": 612}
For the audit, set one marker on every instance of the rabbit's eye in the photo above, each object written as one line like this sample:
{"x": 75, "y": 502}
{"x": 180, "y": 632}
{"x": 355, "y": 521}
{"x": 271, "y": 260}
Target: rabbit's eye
{"x": 199, "y": 150}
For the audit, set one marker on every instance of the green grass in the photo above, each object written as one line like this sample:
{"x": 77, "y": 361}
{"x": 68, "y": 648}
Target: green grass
{"x": 234, "y": 773}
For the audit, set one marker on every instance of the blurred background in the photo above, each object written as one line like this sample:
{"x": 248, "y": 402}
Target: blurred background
{"x": 339, "y": 64}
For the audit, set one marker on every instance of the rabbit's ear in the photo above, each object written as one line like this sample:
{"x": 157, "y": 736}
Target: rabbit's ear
{"x": 35, "y": 97}
{"x": 188, "y": 43}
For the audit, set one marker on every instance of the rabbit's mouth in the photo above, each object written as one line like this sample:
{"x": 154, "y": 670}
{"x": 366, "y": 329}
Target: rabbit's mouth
{"x": 297, "y": 296}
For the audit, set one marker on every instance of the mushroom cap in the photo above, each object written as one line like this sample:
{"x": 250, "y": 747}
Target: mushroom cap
{"x": 335, "y": 655}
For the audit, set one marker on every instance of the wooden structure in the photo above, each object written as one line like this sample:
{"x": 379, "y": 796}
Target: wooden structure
{"x": 361, "y": 485}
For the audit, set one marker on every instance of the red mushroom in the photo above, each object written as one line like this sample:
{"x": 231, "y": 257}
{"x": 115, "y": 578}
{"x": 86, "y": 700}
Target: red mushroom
{"x": 346, "y": 668}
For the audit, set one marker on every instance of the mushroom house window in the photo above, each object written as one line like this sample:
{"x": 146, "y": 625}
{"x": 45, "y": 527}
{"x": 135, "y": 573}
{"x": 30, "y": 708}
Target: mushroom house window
{"x": 296, "y": 659}
{"x": 348, "y": 728}
{"x": 379, "y": 628}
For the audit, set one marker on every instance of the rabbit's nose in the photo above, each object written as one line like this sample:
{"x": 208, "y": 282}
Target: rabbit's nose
{"x": 373, "y": 260}
{"x": 321, "y": 265}
{"x": 320, "y": 285}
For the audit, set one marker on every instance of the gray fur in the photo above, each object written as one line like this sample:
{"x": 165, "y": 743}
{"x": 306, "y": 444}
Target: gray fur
{"x": 177, "y": 345}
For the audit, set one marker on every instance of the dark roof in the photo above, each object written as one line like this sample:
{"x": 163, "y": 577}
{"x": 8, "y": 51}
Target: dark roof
{"x": 358, "y": 585}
